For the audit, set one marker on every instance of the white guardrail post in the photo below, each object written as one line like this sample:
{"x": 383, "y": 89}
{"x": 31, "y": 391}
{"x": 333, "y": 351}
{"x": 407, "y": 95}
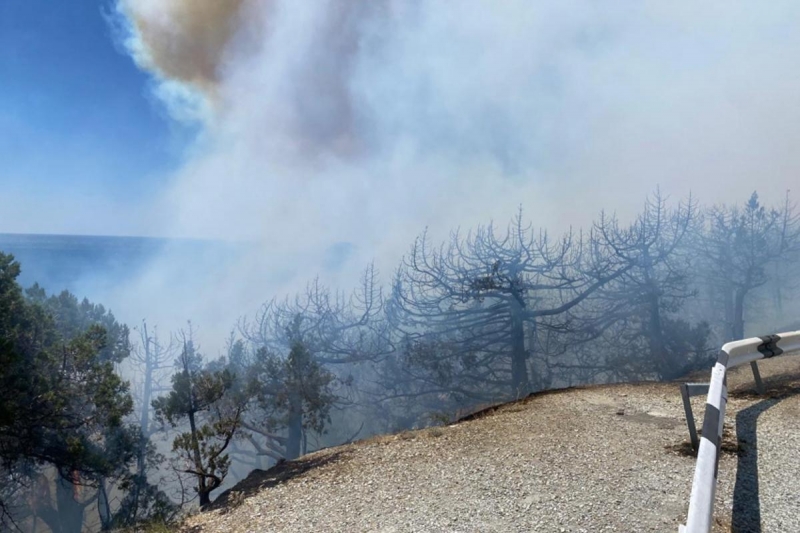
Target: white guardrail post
{"x": 732, "y": 354}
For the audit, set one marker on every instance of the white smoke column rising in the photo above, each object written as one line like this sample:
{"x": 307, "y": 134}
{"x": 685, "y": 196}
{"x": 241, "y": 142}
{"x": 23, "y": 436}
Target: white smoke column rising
{"x": 333, "y": 121}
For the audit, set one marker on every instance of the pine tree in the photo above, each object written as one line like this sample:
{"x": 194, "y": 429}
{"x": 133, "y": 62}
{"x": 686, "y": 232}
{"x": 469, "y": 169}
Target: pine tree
{"x": 198, "y": 396}
{"x": 61, "y": 402}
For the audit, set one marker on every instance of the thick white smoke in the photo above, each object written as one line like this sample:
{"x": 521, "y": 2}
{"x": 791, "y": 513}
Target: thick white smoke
{"x": 333, "y": 121}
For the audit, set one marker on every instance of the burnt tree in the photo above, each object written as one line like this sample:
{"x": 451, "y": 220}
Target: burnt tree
{"x": 741, "y": 245}
{"x": 646, "y": 334}
{"x": 474, "y": 306}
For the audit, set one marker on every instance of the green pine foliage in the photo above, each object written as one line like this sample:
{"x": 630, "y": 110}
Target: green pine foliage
{"x": 62, "y": 404}
{"x": 200, "y": 397}
{"x": 293, "y": 392}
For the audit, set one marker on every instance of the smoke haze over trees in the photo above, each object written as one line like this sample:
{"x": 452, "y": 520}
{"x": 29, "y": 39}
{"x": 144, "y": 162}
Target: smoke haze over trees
{"x": 108, "y": 420}
{"x": 336, "y": 147}
{"x": 381, "y": 215}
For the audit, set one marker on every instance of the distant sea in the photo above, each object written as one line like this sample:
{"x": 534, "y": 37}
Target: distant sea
{"x": 73, "y": 262}
{"x": 166, "y": 281}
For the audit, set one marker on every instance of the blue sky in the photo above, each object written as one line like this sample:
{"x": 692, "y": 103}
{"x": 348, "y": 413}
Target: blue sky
{"x": 77, "y": 121}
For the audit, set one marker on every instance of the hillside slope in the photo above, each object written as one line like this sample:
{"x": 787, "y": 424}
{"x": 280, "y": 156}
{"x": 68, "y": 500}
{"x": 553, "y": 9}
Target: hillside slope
{"x": 609, "y": 458}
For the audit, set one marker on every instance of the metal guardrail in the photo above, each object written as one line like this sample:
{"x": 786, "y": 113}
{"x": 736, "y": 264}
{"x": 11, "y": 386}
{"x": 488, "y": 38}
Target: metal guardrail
{"x": 732, "y": 354}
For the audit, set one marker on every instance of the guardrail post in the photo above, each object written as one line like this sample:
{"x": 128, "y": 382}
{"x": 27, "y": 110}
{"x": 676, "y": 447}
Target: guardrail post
{"x": 689, "y": 390}
{"x": 757, "y": 377}
{"x": 687, "y": 408}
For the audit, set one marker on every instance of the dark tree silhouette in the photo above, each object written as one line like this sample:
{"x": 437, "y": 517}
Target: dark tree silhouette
{"x": 740, "y": 245}
{"x": 475, "y": 306}
{"x": 646, "y": 336}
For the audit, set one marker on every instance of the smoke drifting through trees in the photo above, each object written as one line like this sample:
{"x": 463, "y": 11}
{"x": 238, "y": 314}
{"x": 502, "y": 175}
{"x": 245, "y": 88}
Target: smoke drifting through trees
{"x": 652, "y": 291}
{"x": 352, "y": 126}
{"x": 482, "y": 317}
{"x": 487, "y": 296}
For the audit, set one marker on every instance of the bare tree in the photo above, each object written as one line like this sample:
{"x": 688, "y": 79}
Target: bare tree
{"x": 740, "y": 246}
{"x": 475, "y": 305}
{"x": 152, "y": 364}
{"x": 785, "y": 279}
{"x": 338, "y": 328}
{"x": 643, "y": 303}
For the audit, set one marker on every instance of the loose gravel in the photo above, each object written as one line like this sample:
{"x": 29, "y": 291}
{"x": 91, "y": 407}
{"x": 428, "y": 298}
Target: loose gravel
{"x": 599, "y": 459}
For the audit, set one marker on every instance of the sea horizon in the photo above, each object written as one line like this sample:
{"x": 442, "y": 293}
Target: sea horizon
{"x": 80, "y": 263}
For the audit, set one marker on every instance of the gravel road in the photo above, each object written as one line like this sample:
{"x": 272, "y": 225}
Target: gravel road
{"x": 609, "y": 458}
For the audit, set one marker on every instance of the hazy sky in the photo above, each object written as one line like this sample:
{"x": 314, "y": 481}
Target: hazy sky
{"x": 340, "y": 107}
{"x": 83, "y": 142}
{"x": 324, "y": 126}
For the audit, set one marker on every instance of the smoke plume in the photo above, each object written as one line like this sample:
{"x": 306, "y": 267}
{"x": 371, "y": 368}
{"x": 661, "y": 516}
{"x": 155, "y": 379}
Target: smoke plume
{"x": 333, "y": 125}
{"x": 185, "y": 40}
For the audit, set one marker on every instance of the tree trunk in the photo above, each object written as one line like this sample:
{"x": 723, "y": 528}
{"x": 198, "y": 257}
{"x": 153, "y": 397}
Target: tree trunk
{"x": 202, "y": 490}
{"x": 520, "y": 383}
{"x": 70, "y": 510}
{"x": 655, "y": 332}
{"x": 737, "y": 328}
{"x": 144, "y": 423}
{"x": 655, "y": 337}
{"x": 205, "y": 496}
{"x": 103, "y": 506}
{"x": 728, "y": 299}
{"x": 295, "y": 437}
{"x": 778, "y": 281}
